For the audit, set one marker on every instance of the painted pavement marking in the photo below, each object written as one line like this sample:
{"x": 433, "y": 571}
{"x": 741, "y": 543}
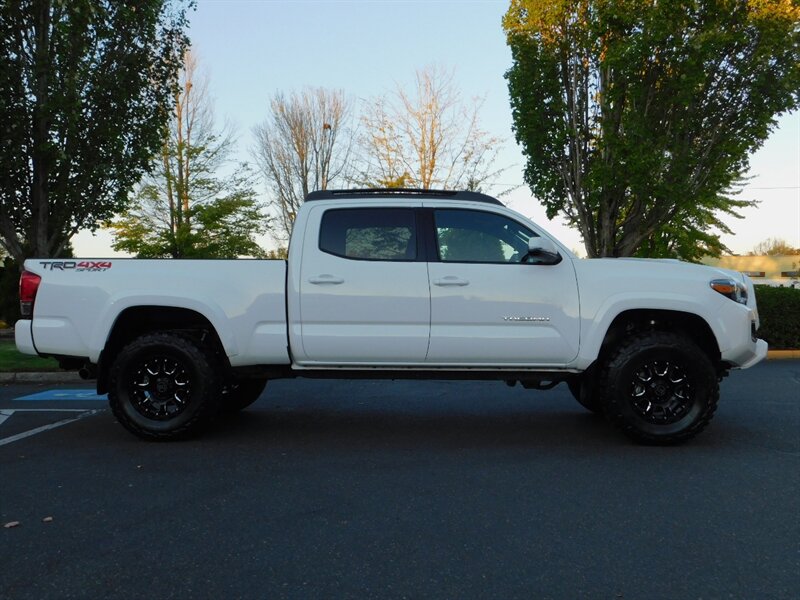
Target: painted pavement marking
{"x": 6, "y": 413}
{"x": 65, "y": 395}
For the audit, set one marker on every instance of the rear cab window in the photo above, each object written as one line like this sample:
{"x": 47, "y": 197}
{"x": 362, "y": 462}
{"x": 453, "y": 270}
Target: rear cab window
{"x": 387, "y": 234}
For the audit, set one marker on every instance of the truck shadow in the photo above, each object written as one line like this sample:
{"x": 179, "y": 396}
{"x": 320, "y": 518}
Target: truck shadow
{"x": 455, "y": 414}
{"x": 393, "y": 428}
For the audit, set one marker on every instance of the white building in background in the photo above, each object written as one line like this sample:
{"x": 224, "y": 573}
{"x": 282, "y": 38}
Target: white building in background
{"x": 777, "y": 271}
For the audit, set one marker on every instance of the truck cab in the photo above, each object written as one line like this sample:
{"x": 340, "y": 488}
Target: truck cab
{"x": 427, "y": 282}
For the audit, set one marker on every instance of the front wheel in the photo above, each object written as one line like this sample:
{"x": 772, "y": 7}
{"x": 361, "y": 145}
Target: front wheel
{"x": 164, "y": 386}
{"x": 660, "y": 388}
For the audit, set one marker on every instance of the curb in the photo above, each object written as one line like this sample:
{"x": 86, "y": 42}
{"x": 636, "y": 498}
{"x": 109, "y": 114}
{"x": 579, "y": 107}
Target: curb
{"x": 54, "y": 377}
{"x": 782, "y": 354}
{"x": 69, "y": 377}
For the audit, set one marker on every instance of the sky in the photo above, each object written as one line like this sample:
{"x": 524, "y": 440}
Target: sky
{"x": 252, "y": 49}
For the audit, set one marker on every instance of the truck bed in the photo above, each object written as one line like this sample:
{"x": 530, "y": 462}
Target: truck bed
{"x": 244, "y": 300}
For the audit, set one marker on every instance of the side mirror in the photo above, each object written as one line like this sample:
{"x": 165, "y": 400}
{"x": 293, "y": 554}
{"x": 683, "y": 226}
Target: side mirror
{"x": 542, "y": 251}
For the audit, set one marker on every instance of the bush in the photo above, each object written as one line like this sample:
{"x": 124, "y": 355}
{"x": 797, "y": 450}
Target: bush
{"x": 9, "y": 292}
{"x": 779, "y": 310}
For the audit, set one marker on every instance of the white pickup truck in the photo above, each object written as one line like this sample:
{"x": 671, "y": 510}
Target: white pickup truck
{"x": 397, "y": 284}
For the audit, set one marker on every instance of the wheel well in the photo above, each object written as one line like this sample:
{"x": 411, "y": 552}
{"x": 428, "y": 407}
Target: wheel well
{"x": 688, "y": 324}
{"x": 138, "y": 320}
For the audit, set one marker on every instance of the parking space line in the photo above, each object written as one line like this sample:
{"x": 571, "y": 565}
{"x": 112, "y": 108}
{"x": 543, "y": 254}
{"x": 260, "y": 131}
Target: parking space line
{"x": 10, "y": 411}
{"x": 43, "y": 428}
{"x": 65, "y": 395}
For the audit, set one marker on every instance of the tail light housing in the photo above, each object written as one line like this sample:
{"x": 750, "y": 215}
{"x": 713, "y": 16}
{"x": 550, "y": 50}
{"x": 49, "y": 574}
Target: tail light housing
{"x": 28, "y": 286}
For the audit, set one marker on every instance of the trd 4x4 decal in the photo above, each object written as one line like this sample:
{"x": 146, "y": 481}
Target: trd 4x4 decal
{"x": 73, "y": 265}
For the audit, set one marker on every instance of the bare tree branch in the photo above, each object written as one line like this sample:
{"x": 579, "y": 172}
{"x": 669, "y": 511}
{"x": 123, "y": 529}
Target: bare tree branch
{"x": 304, "y": 145}
{"x": 428, "y": 138}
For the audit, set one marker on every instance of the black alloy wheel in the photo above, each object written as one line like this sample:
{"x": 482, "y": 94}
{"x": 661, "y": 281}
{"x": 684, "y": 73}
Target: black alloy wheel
{"x": 661, "y": 392}
{"x": 659, "y": 387}
{"x": 164, "y": 386}
{"x": 160, "y": 389}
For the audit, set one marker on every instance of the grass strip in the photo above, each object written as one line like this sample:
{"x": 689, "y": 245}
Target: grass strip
{"x": 13, "y": 361}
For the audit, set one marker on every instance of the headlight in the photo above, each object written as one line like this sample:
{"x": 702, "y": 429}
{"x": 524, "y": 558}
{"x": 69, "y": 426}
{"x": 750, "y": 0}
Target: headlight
{"x": 734, "y": 290}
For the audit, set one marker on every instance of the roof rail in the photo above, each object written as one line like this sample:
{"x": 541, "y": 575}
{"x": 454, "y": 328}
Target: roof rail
{"x": 407, "y": 192}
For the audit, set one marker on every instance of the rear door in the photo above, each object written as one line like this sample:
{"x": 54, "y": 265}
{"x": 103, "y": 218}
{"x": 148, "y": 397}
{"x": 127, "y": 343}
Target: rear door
{"x": 489, "y": 306}
{"x": 364, "y": 295}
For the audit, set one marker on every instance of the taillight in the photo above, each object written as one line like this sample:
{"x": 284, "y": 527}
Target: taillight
{"x": 28, "y": 286}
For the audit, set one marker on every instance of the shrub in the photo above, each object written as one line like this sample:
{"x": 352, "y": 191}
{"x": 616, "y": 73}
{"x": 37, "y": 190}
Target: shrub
{"x": 9, "y": 291}
{"x": 779, "y": 310}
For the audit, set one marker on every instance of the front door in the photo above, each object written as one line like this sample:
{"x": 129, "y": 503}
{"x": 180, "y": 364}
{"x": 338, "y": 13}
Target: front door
{"x": 489, "y": 305}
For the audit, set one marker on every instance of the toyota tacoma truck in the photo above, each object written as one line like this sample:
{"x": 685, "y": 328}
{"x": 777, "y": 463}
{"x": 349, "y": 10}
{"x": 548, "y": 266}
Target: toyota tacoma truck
{"x": 397, "y": 284}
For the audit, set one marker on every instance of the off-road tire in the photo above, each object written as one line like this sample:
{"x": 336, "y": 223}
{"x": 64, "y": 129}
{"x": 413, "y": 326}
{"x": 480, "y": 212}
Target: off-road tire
{"x": 241, "y": 393}
{"x": 659, "y": 388}
{"x": 164, "y": 386}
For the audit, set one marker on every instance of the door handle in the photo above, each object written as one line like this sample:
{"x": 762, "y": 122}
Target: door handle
{"x": 331, "y": 279}
{"x": 450, "y": 280}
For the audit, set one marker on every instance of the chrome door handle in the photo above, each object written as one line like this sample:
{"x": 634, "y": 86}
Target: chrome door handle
{"x": 331, "y": 279}
{"x": 450, "y": 280}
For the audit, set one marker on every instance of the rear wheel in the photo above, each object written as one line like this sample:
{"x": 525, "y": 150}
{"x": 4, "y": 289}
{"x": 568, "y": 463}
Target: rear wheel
{"x": 660, "y": 388}
{"x": 164, "y": 386}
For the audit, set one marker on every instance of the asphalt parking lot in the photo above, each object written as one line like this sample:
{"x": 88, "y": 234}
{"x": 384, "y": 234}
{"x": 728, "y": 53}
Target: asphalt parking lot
{"x": 363, "y": 489}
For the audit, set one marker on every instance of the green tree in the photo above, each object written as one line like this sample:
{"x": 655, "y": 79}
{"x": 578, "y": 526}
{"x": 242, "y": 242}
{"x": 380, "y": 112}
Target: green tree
{"x": 637, "y": 117}
{"x": 85, "y": 88}
{"x": 190, "y": 206}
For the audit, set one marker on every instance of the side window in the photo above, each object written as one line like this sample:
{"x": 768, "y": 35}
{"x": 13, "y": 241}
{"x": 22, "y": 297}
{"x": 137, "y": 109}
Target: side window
{"x": 369, "y": 233}
{"x": 477, "y": 236}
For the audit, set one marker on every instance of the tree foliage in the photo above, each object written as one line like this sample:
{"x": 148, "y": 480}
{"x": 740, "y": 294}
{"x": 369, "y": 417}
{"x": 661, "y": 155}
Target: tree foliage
{"x": 304, "y": 145}
{"x": 189, "y": 207}
{"x": 637, "y": 118}
{"x": 774, "y": 247}
{"x": 85, "y": 88}
{"x": 428, "y": 138}
{"x": 280, "y": 253}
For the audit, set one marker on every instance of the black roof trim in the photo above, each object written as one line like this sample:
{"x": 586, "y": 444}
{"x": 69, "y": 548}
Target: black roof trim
{"x": 406, "y": 192}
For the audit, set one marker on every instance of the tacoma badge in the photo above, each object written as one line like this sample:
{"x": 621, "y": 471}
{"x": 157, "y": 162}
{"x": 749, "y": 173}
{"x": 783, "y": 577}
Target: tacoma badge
{"x": 528, "y": 319}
